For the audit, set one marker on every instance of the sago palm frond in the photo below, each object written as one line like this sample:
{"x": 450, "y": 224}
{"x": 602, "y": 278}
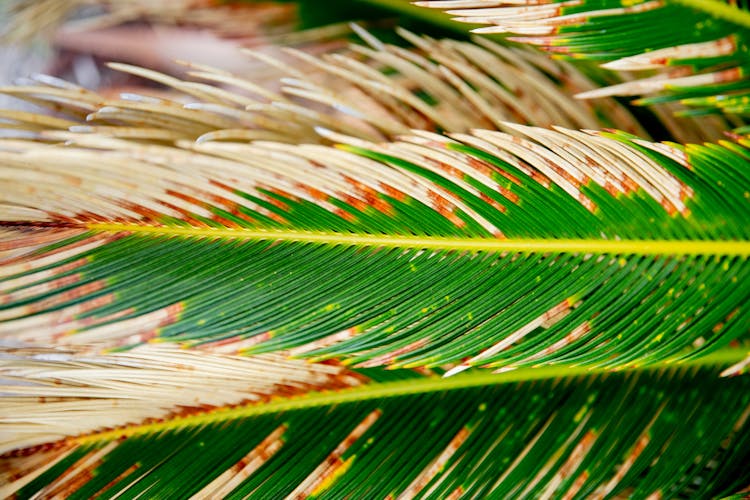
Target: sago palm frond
{"x": 483, "y": 249}
{"x": 479, "y": 436}
{"x": 700, "y": 47}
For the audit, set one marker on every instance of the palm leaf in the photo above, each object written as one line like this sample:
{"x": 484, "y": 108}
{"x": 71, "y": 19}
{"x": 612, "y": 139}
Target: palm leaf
{"x": 481, "y": 250}
{"x": 421, "y": 437}
{"x": 699, "y": 46}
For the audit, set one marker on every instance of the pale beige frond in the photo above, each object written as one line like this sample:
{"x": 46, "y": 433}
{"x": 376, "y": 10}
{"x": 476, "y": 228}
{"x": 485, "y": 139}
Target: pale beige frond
{"x": 371, "y": 92}
{"x": 51, "y": 393}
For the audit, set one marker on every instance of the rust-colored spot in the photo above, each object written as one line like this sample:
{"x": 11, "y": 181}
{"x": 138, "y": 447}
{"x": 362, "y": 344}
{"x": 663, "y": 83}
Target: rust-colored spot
{"x": 186, "y": 197}
{"x": 540, "y": 178}
{"x": 424, "y": 371}
{"x": 563, "y": 173}
{"x": 456, "y": 494}
{"x": 256, "y": 339}
{"x": 89, "y": 217}
{"x": 448, "y": 169}
{"x": 65, "y": 281}
{"x": 72, "y": 294}
{"x": 578, "y": 332}
{"x": 348, "y": 216}
{"x": 629, "y": 184}
{"x": 144, "y": 212}
{"x": 84, "y": 307}
{"x": 392, "y": 191}
{"x": 487, "y": 169}
{"x": 728, "y": 75}
{"x": 219, "y": 184}
{"x": 686, "y": 192}
{"x": 225, "y": 222}
{"x": 558, "y": 49}
{"x": 508, "y": 194}
{"x": 576, "y": 486}
{"x": 587, "y": 202}
{"x": 48, "y": 286}
{"x": 668, "y": 206}
{"x": 173, "y": 311}
{"x": 229, "y": 205}
{"x": 370, "y": 196}
{"x": 445, "y": 208}
{"x": 329, "y": 467}
{"x": 733, "y": 313}
{"x": 116, "y": 480}
{"x": 95, "y": 303}
{"x": 277, "y": 202}
{"x": 391, "y": 357}
{"x": 354, "y": 202}
{"x": 71, "y": 265}
{"x": 718, "y": 327}
{"x": 611, "y": 188}
{"x": 31, "y": 235}
{"x": 234, "y": 345}
{"x": 432, "y": 470}
{"x": 314, "y": 192}
{"x": 497, "y": 206}
{"x": 82, "y": 470}
{"x": 556, "y": 310}
{"x": 63, "y": 444}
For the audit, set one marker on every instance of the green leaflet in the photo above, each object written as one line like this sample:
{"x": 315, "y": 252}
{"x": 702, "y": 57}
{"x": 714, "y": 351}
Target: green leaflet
{"x": 552, "y": 437}
{"x": 383, "y": 255}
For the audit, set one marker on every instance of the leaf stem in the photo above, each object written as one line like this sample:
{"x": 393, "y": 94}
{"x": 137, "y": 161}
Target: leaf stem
{"x": 552, "y": 245}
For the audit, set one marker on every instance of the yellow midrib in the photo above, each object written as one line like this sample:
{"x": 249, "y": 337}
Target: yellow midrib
{"x": 552, "y": 245}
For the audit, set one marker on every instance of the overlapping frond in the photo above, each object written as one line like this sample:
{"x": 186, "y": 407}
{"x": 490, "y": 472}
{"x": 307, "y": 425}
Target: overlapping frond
{"x": 702, "y": 58}
{"x": 487, "y": 249}
{"x": 416, "y": 438}
{"x": 371, "y": 92}
{"x": 700, "y": 48}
